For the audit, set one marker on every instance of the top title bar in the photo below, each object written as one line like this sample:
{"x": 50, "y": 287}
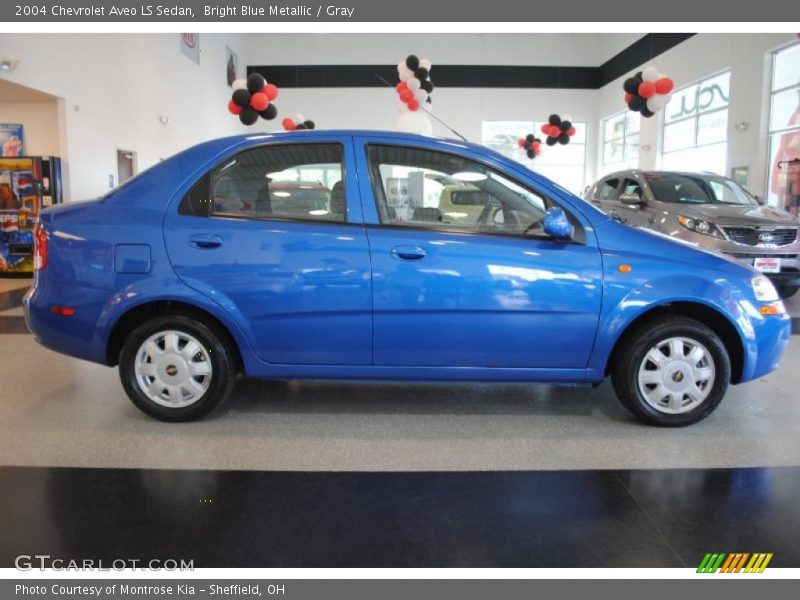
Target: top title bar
{"x": 438, "y": 11}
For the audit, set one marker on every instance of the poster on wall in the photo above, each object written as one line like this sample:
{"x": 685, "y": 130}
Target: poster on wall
{"x": 190, "y": 46}
{"x": 231, "y": 66}
{"x": 12, "y": 139}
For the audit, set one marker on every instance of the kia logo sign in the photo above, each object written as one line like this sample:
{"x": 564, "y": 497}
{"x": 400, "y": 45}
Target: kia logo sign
{"x": 765, "y": 237}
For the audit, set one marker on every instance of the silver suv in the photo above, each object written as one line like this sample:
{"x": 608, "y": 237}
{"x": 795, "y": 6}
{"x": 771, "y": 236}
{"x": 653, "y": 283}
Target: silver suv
{"x": 709, "y": 211}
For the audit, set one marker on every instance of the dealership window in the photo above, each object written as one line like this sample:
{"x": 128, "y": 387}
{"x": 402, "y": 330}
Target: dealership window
{"x": 566, "y": 165}
{"x": 621, "y": 141}
{"x": 293, "y": 181}
{"x": 696, "y": 127}
{"x": 784, "y": 130}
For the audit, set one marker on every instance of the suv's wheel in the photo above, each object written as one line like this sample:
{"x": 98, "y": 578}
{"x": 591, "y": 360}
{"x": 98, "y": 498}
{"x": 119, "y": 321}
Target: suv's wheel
{"x": 787, "y": 291}
{"x": 175, "y": 368}
{"x": 672, "y": 371}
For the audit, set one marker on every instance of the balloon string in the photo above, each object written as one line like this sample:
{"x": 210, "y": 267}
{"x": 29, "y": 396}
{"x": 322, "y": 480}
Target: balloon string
{"x": 427, "y": 111}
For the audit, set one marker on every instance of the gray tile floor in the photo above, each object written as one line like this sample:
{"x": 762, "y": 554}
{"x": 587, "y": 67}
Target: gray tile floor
{"x": 58, "y": 411}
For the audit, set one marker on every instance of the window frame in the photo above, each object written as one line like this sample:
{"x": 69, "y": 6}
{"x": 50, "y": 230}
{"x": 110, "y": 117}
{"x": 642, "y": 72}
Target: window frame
{"x": 770, "y": 102}
{"x": 208, "y": 177}
{"x": 373, "y": 171}
{"x": 624, "y": 137}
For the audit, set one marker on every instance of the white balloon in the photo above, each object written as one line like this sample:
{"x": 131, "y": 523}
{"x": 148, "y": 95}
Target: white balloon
{"x": 414, "y": 84}
{"x": 566, "y": 118}
{"x": 401, "y": 66}
{"x": 655, "y": 103}
{"x": 298, "y": 118}
{"x": 414, "y": 122}
{"x": 424, "y": 62}
{"x": 650, "y": 73}
{"x": 421, "y": 95}
{"x": 239, "y": 84}
{"x": 406, "y": 74}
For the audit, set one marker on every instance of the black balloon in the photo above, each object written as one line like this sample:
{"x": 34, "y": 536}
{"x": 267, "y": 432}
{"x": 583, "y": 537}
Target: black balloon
{"x": 554, "y": 120}
{"x": 639, "y": 76}
{"x": 421, "y": 74}
{"x": 300, "y": 126}
{"x": 412, "y": 62}
{"x": 529, "y": 138}
{"x": 269, "y": 113}
{"x": 566, "y": 126}
{"x": 255, "y": 83}
{"x": 551, "y": 141}
{"x": 531, "y": 153}
{"x": 527, "y": 145}
{"x": 248, "y": 116}
{"x": 427, "y": 86}
{"x": 637, "y": 103}
{"x": 563, "y": 139}
{"x": 647, "y": 113}
{"x": 309, "y": 124}
{"x": 631, "y": 85}
{"x": 428, "y": 100}
{"x": 241, "y": 98}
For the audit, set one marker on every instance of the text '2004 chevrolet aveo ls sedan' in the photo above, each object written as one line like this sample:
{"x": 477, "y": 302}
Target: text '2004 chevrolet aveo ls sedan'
{"x": 371, "y": 255}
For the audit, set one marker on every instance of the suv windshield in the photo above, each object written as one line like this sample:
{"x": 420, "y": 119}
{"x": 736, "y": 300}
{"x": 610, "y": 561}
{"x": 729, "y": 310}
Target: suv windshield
{"x": 697, "y": 189}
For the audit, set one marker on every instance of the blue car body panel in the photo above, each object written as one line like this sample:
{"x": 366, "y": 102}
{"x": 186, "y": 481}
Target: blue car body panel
{"x": 332, "y": 300}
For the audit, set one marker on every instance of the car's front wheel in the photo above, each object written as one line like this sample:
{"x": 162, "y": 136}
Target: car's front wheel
{"x": 671, "y": 371}
{"x": 176, "y": 368}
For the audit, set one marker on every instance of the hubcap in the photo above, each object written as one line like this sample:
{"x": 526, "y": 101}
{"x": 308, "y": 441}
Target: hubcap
{"x": 676, "y": 375}
{"x": 173, "y": 369}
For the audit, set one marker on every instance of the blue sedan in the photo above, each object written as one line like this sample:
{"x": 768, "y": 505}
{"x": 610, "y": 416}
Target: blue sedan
{"x": 378, "y": 255}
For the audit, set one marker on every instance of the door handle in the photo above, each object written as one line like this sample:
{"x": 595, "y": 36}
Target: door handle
{"x": 205, "y": 241}
{"x": 407, "y": 253}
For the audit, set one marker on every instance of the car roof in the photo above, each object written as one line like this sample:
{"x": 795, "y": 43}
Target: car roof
{"x": 627, "y": 172}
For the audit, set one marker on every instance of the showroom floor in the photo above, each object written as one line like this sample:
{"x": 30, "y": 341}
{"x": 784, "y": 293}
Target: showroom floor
{"x": 451, "y": 470}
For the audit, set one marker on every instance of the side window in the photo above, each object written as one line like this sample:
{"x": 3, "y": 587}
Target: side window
{"x": 292, "y": 181}
{"x": 607, "y": 190}
{"x": 631, "y": 186}
{"x": 423, "y": 188}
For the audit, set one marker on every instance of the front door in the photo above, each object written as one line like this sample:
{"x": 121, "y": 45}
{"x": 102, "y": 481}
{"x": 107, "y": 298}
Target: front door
{"x": 463, "y": 274}
{"x": 274, "y": 235}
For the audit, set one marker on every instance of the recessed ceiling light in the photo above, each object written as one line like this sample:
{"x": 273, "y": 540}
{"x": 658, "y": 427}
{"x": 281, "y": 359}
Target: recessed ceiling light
{"x": 281, "y": 194}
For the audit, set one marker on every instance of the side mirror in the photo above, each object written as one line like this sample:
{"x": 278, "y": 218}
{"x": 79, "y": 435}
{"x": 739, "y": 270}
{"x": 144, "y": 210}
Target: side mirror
{"x": 630, "y": 199}
{"x": 557, "y": 224}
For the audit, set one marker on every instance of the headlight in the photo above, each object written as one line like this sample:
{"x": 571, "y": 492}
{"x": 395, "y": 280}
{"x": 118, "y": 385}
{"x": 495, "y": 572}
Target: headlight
{"x": 764, "y": 290}
{"x": 700, "y": 226}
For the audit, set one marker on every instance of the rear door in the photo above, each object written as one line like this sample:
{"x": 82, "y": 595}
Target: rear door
{"x": 274, "y": 234}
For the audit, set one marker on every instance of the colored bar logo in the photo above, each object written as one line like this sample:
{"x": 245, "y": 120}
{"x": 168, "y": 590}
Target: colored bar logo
{"x": 721, "y": 562}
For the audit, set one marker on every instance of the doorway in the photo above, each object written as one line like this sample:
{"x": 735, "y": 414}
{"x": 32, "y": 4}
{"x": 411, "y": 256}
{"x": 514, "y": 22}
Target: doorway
{"x": 126, "y": 165}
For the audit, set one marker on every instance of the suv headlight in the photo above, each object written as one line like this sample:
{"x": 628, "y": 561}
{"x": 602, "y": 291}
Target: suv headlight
{"x": 700, "y": 226}
{"x": 764, "y": 290}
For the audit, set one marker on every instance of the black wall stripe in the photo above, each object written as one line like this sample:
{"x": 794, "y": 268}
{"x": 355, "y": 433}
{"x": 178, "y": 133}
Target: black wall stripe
{"x": 474, "y": 76}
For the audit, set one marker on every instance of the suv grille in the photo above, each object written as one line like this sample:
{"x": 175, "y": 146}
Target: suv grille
{"x": 762, "y": 237}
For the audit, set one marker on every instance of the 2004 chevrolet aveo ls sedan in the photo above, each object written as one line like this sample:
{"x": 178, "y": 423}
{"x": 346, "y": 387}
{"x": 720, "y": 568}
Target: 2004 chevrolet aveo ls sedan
{"x": 372, "y": 255}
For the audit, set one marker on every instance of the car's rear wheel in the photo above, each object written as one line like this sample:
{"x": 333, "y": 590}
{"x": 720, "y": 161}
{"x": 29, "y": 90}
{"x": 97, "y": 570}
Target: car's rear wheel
{"x": 672, "y": 371}
{"x": 176, "y": 368}
{"x": 787, "y": 291}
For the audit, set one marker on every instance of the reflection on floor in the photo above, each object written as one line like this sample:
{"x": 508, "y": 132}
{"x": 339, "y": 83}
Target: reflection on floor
{"x": 663, "y": 518}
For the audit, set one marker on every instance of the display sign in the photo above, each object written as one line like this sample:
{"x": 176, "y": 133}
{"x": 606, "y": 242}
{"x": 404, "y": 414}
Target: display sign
{"x": 12, "y": 139}
{"x": 190, "y": 46}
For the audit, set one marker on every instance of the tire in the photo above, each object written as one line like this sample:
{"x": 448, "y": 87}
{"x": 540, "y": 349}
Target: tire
{"x": 679, "y": 391}
{"x": 185, "y": 385}
{"x": 787, "y": 291}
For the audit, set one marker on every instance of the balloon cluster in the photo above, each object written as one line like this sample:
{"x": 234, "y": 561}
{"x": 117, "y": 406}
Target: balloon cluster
{"x": 252, "y": 98}
{"x": 558, "y": 130}
{"x": 415, "y": 85}
{"x": 648, "y": 91}
{"x": 297, "y": 122}
{"x": 531, "y": 145}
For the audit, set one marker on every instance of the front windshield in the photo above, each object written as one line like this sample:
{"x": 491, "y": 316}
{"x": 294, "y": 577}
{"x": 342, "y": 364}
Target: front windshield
{"x": 697, "y": 189}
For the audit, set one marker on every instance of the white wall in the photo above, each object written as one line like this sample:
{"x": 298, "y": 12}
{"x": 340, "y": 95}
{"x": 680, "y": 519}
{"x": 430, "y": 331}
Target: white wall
{"x": 40, "y": 120}
{"x": 747, "y": 56}
{"x": 114, "y": 88}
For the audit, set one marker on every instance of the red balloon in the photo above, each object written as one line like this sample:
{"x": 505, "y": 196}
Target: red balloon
{"x": 554, "y": 131}
{"x": 401, "y": 86}
{"x": 521, "y": 142}
{"x": 259, "y": 101}
{"x": 647, "y": 89}
{"x": 271, "y": 90}
{"x": 406, "y": 95}
{"x": 546, "y": 128}
{"x": 288, "y": 124}
{"x": 664, "y": 85}
{"x": 413, "y": 104}
{"x": 537, "y": 150}
{"x": 536, "y": 145}
{"x": 571, "y": 132}
{"x": 628, "y": 98}
{"x": 234, "y": 108}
